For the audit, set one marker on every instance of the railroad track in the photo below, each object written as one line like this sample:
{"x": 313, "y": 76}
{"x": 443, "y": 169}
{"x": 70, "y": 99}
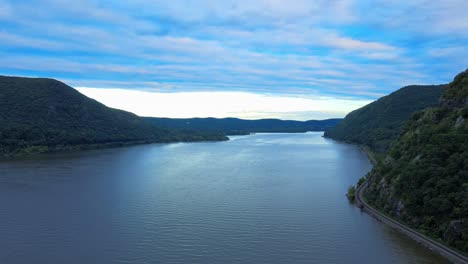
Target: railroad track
{"x": 433, "y": 245}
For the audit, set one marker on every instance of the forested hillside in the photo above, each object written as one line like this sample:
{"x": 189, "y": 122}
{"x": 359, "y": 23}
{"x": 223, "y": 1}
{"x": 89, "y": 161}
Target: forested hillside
{"x": 39, "y": 115}
{"x": 379, "y": 123}
{"x": 235, "y": 126}
{"x": 423, "y": 180}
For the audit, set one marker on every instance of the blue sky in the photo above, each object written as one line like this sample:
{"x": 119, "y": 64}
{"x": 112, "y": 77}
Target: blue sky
{"x": 345, "y": 52}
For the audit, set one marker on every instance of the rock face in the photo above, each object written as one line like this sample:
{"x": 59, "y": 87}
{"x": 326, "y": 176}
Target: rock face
{"x": 459, "y": 122}
{"x": 399, "y": 208}
{"x": 423, "y": 180}
{"x": 454, "y": 231}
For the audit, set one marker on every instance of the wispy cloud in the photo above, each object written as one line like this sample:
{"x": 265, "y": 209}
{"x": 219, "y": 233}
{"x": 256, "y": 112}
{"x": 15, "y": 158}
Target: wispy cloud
{"x": 337, "y": 48}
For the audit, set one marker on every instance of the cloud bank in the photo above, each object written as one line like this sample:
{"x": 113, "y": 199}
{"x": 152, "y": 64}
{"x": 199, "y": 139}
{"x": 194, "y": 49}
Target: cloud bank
{"x": 223, "y": 104}
{"x": 325, "y": 48}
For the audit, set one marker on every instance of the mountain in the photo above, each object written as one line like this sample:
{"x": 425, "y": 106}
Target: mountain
{"x": 423, "y": 180}
{"x": 235, "y": 126}
{"x": 39, "y": 115}
{"x": 379, "y": 123}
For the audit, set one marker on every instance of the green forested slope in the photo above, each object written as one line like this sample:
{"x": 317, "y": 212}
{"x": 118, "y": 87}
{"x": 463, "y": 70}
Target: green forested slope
{"x": 235, "y": 126}
{"x": 39, "y": 115}
{"x": 379, "y": 123}
{"x": 423, "y": 180}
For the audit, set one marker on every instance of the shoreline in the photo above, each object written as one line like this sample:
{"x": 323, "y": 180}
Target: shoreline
{"x": 43, "y": 150}
{"x": 36, "y": 150}
{"x": 431, "y": 244}
{"x": 369, "y": 153}
{"x": 450, "y": 254}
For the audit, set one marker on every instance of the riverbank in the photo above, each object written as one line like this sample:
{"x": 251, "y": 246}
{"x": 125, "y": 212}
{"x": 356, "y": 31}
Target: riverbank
{"x": 372, "y": 156}
{"x": 42, "y": 149}
{"x": 431, "y": 244}
{"x": 445, "y": 251}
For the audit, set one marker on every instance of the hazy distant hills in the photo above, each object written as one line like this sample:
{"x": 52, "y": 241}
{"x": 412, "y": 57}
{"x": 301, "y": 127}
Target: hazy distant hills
{"x": 423, "y": 179}
{"x": 379, "y": 123}
{"x": 235, "y": 126}
{"x": 39, "y": 115}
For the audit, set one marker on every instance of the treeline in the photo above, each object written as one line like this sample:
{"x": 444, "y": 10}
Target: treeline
{"x": 236, "y": 126}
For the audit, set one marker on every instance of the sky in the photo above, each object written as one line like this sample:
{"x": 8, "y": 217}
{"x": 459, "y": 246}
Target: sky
{"x": 295, "y": 59}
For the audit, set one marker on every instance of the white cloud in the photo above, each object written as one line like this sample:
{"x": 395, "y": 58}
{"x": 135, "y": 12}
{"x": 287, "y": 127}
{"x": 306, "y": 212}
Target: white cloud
{"x": 223, "y": 104}
{"x": 338, "y": 47}
{"x": 248, "y": 72}
{"x": 248, "y": 12}
{"x": 15, "y": 40}
{"x": 354, "y": 44}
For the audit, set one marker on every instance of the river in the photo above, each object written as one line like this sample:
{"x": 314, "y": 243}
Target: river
{"x": 263, "y": 198}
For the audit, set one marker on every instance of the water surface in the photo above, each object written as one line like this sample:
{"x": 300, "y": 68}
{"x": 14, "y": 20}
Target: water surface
{"x": 264, "y": 198}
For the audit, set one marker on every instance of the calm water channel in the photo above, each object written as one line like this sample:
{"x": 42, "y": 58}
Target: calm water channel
{"x": 264, "y": 198}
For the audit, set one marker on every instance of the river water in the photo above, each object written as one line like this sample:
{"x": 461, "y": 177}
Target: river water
{"x": 264, "y": 198}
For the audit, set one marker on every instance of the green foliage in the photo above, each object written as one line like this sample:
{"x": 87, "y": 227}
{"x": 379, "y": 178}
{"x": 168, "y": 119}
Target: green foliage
{"x": 423, "y": 181}
{"x": 40, "y": 115}
{"x": 351, "y": 193}
{"x": 458, "y": 91}
{"x": 235, "y": 126}
{"x": 378, "y": 124}
{"x": 361, "y": 181}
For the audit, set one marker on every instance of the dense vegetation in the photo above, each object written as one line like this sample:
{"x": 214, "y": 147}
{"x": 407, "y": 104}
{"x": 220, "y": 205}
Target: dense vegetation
{"x": 379, "y": 123}
{"x": 235, "y": 126}
{"x": 351, "y": 193}
{"x": 423, "y": 180}
{"x": 39, "y": 115}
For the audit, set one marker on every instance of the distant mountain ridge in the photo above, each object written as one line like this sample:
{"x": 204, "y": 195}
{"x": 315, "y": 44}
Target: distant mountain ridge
{"x": 40, "y": 115}
{"x": 379, "y": 123}
{"x": 236, "y": 126}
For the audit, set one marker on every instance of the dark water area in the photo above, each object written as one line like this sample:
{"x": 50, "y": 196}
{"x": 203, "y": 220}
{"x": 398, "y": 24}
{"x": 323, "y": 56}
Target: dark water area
{"x": 264, "y": 198}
